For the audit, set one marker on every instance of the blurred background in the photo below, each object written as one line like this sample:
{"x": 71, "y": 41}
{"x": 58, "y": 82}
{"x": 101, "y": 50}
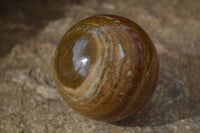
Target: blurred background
{"x": 30, "y": 31}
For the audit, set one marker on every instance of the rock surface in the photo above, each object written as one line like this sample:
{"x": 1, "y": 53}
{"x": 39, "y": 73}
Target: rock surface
{"x": 30, "y": 31}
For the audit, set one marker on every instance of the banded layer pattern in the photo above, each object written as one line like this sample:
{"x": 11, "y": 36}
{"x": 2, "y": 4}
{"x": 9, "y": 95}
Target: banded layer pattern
{"x": 117, "y": 67}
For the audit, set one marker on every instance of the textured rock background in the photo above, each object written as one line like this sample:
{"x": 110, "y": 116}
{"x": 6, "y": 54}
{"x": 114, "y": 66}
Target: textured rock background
{"x": 30, "y": 31}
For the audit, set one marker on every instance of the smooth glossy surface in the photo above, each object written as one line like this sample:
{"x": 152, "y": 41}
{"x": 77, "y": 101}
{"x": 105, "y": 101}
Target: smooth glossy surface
{"x": 106, "y": 67}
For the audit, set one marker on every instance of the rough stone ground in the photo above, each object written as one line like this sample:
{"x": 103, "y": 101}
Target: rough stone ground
{"x": 30, "y": 31}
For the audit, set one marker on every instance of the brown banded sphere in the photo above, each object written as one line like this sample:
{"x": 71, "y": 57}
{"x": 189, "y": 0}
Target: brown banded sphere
{"x": 106, "y": 67}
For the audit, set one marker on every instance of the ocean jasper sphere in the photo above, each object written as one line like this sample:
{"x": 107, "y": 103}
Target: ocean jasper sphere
{"x": 106, "y": 67}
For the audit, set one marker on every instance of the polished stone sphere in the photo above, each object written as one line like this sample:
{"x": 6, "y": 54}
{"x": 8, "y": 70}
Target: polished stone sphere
{"x": 106, "y": 67}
